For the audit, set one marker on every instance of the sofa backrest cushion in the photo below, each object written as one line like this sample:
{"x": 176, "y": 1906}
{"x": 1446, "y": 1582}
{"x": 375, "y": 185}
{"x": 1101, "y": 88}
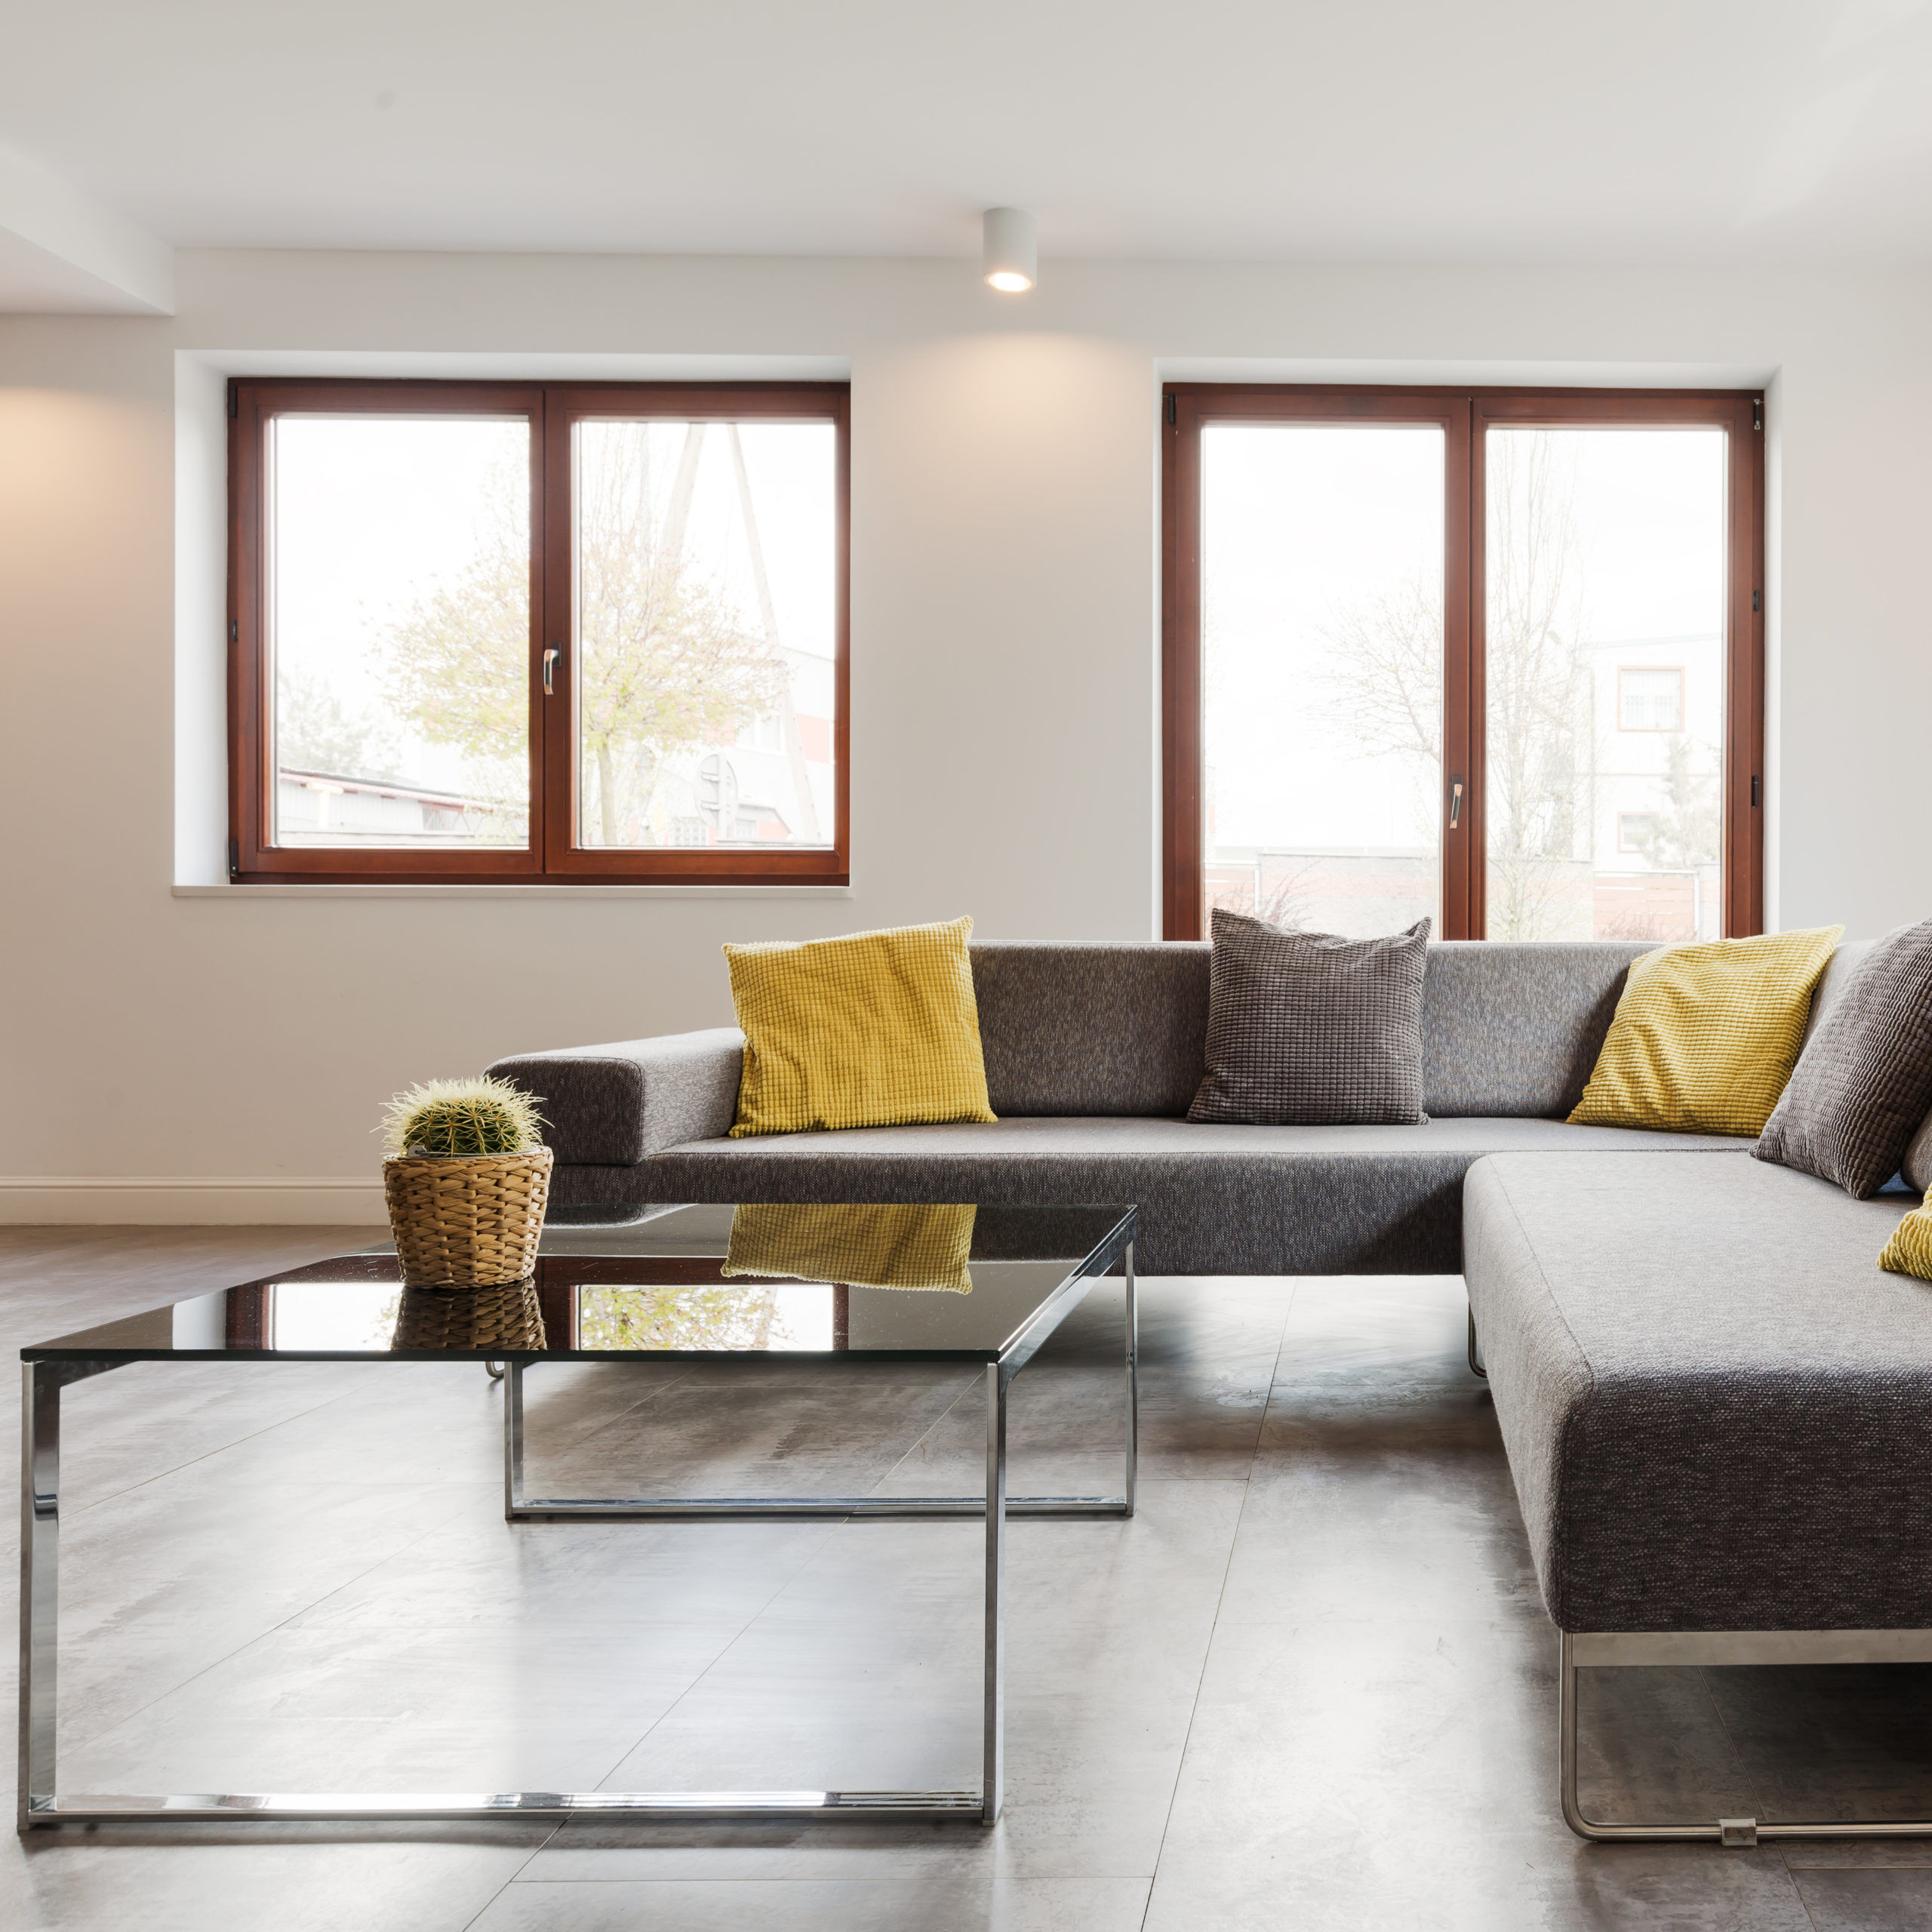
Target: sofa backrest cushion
{"x": 1831, "y": 983}
{"x": 1092, "y": 1029}
{"x": 1514, "y": 1029}
{"x": 1510, "y": 1030}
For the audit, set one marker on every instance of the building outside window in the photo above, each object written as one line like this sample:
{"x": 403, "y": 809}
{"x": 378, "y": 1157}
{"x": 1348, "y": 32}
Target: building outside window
{"x": 1650, "y": 697}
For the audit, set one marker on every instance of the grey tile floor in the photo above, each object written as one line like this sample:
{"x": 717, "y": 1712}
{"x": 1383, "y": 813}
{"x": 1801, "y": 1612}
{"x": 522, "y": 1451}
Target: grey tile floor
{"x": 1309, "y": 1685}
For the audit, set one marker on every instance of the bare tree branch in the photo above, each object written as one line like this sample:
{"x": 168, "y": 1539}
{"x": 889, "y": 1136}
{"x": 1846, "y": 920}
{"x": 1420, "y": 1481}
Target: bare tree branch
{"x": 664, "y": 660}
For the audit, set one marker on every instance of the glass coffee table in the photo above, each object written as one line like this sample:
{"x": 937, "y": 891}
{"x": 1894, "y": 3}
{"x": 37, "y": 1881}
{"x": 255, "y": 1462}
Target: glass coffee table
{"x": 756, "y": 1284}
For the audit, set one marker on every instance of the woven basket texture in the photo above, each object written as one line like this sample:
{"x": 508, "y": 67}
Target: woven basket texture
{"x": 507, "y": 1316}
{"x": 467, "y": 1222}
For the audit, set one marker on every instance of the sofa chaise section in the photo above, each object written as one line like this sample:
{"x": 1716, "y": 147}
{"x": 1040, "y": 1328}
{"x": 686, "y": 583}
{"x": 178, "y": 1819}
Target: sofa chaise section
{"x": 1706, "y": 1383}
{"x": 1714, "y": 1402}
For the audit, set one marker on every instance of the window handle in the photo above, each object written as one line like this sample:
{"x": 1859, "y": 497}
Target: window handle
{"x": 1455, "y": 803}
{"x": 551, "y": 658}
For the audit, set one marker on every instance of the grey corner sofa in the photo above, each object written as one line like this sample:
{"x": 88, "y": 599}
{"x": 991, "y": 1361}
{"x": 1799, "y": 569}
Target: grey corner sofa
{"x": 1713, "y": 1401}
{"x": 1092, "y": 1053}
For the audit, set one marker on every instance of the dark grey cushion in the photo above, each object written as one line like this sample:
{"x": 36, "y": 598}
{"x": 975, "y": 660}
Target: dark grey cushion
{"x": 1864, "y": 1081}
{"x": 1310, "y": 1028}
{"x": 1714, "y": 1399}
{"x": 1213, "y": 1200}
{"x": 619, "y": 1103}
{"x": 1917, "y": 1165}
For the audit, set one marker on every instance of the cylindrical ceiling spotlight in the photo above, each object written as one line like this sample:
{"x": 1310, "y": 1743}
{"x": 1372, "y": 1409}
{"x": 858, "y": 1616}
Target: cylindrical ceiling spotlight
{"x": 1012, "y": 250}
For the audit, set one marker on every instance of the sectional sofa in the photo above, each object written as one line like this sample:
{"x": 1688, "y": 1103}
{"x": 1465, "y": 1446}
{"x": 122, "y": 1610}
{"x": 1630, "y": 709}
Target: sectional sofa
{"x": 1712, "y": 1399}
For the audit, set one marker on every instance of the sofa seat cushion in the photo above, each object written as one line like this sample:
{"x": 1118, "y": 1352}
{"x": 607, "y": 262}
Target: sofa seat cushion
{"x": 1213, "y": 1199}
{"x": 1715, "y": 1402}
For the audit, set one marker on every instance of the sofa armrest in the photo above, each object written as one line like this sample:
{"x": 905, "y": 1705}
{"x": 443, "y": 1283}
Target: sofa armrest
{"x": 616, "y": 1105}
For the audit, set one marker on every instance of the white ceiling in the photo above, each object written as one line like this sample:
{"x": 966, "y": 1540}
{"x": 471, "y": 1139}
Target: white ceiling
{"x": 1521, "y": 130}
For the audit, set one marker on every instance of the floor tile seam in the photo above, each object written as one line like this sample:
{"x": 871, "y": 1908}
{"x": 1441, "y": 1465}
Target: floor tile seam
{"x": 1743, "y": 1764}
{"x": 260, "y": 1636}
{"x": 161, "y": 1475}
{"x": 1207, "y": 1649}
{"x": 661, "y": 1390}
{"x": 544, "y": 1845}
{"x": 821, "y": 1549}
{"x": 1798, "y": 1893}
{"x": 732, "y": 1641}
{"x": 970, "y": 1385}
{"x": 596, "y": 1435}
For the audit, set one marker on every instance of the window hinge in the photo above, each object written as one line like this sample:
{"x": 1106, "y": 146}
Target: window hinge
{"x": 1754, "y": 788}
{"x": 234, "y": 400}
{"x": 1757, "y": 600}
{"x": 1757, "y": 412}
{"x": 1173, "y": 414}
{"x": 234, "y": 860}
{"x": 234, "y": 632}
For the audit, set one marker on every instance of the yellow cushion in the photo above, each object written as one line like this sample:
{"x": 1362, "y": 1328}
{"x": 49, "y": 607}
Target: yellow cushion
{"x": 877, "y": 1247}
{"x": 1706, "y": 1036}
{"x": 1910, "y": 1251}
{"x": 880, "y": 1029}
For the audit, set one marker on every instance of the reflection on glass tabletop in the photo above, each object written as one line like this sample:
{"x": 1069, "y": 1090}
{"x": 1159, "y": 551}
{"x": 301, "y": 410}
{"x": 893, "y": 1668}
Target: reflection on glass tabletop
{"x": 930, "y": 1278}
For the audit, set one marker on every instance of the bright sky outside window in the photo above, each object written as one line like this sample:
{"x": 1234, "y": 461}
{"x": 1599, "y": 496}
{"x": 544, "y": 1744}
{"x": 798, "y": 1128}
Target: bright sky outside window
{"x": 399, "y": 625}
{"x": 1322, "y": 667}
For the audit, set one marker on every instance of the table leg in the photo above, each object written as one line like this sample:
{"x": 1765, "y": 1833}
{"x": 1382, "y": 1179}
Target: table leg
{"x": 1133, "y": 1385}
{"x": 994, "y": 1774}
{"x": 512, "y": 1438}
{"x": 40, "y": 1598}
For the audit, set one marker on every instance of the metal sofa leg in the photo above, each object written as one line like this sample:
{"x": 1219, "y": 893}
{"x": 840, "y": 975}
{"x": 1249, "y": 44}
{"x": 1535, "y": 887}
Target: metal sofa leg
{"x": 1476, "y": 1360}
{"x": 1723, "y": 1648}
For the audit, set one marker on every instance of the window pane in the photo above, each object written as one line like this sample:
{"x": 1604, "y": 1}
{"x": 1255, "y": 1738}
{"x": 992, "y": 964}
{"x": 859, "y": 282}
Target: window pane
{"x": 1321, "y": 641}
{"x": 398, "y": 605}
{"x": 705, "y": 635}
{"x": 1604, "y": 679}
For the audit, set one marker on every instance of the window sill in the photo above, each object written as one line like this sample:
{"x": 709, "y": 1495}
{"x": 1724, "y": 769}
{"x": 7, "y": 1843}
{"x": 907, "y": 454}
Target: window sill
{"x": 524, "y": 892}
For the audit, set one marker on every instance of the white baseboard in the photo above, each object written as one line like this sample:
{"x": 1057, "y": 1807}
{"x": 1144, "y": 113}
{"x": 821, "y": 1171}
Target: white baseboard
{"x": 189, "y": 1200}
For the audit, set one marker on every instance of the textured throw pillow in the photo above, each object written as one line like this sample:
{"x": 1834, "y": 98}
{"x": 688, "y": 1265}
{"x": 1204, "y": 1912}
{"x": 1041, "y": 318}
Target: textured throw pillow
{"x": 1910, "y": 1251}
{"x": 1306, "y": 1028}
{"x": 925, "y": 1246}
{"x": 878, "y": 1030}
{"x": 1917, "y": 1165}
{"x": 1705, "y": 1036}
{"x": 1862, "y": 1084}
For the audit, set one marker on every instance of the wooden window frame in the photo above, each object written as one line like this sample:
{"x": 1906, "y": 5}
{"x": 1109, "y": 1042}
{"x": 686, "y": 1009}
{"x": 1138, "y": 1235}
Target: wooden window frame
{"x": 1465, "y": 416}
{"x": 552, "y": 857}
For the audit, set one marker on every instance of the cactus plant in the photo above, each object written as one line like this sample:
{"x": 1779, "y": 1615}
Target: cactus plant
{"x": 462, "y": 1117}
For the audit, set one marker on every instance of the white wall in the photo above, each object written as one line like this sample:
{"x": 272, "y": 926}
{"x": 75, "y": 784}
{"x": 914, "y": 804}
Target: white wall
{"x": 1004, "y": 646}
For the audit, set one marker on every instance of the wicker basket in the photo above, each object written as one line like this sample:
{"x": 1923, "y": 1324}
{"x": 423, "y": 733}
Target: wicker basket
{"x": 467, "y": 1221}
{"x": 506, "y": 1317}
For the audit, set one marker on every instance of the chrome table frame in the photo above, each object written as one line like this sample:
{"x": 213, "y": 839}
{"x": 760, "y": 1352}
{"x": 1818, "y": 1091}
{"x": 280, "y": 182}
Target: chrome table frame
{"x": 41, "y": 1803}
{"x": 519, "y": 1508}
{"x": 1591, "y": 1649}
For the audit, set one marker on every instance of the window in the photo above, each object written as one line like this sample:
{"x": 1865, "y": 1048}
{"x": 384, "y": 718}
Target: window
{"x": 1635, "y": 830}
{"x": 1410, "y": 637}
{"x": 1651, "y": 700}
{"x": 507, "y": 633}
